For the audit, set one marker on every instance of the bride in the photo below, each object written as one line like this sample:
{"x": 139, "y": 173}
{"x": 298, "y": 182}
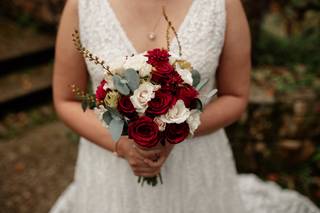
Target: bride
{"x": 199, "y": 174}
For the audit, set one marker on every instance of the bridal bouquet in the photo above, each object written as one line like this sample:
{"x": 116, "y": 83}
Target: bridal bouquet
{"x": 152, "y": 97}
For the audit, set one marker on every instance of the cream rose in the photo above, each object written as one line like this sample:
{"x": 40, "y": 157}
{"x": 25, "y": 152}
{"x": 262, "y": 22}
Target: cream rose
{"x": 116, "y": 66}
{"x": 185, "y": 75}
{"x": 194, "y": 120}
{"x": 173, "y": 57}
{"x": 138, "y": 62}
{"x": 177, "y": 114}
{"x": 143, "y": 95}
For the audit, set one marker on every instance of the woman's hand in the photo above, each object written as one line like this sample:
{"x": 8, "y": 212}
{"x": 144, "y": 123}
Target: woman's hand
{"x": 156, "y": 158}
{"x": 128, "y": 150}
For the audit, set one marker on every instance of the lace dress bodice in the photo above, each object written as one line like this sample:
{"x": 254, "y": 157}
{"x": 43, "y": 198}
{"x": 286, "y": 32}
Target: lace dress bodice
{"x": 201, "y": 34}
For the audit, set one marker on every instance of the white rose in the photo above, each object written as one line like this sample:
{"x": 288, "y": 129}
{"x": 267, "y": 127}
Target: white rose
{"x": 185, "y": 75}
{"x": 194, "y": 120}
{"x": 145, "y": 70}
{"x": 138, "y": 62}
{"x": 116, "y": 66}
{"x": 173, "y": 57}
{"x": 143, "y": 95}
{"x": 177, "y": 114}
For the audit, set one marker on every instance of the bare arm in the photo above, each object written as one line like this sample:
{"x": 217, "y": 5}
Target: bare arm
{"x": 233, "y": 74}
{"x": 69, "y": 68}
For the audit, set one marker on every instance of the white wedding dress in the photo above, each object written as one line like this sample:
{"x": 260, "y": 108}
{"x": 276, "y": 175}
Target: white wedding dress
{"x": 199, "y": 175}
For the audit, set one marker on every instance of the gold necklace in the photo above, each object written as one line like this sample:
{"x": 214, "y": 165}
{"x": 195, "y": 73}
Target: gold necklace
{"x": 152, "y": 34}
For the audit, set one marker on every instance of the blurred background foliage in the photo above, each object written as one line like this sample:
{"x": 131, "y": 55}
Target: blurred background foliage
{"x": 278, "y": 137}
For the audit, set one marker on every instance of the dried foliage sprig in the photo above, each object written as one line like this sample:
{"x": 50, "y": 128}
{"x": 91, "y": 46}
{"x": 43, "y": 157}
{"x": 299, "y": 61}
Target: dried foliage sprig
{"x": 88, "y": 101}
{"x": 170, "y": 26}
{"x": 87, "y": 54}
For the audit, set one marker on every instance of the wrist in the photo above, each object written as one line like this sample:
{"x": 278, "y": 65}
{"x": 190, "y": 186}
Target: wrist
{"x": 117, "y": 149}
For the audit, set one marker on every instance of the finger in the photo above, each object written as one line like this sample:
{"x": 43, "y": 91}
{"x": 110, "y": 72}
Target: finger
{"x": 134, "y": 154}
{"x": 150, "y": 154}
{"x": 136, "y": 163}
{"x": 155, "y": 164}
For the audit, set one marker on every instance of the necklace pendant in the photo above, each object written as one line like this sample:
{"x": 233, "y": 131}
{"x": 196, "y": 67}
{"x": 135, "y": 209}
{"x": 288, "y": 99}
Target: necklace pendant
{"x": 152, "y": 36}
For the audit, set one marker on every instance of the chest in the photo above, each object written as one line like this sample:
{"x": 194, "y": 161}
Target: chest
{"x": 200, "y": 31}
{"x": 143, "y": 21}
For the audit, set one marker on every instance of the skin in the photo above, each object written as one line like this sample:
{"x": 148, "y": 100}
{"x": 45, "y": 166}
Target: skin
{"x": 233, "y": 79}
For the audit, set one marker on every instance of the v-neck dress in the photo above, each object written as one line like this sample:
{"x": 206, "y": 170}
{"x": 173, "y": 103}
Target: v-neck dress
{"x": 199, "y": 176}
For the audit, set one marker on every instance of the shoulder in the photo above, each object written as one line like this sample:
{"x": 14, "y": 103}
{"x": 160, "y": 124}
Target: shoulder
{"x": 70, "y": 12}
{"x": 71, "y": 6}
{"x": 72, "y": 3}
{"x": 234, "y": 5}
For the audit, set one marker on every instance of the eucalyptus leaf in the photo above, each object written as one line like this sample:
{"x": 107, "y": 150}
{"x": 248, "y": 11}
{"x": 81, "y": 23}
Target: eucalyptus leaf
{"x": 212, "y": 93}
{"x": 116, "y": 128}
{"x": 202, "y": 84}
{"x": 114, "y": 112}
{"x": 133, "y": 79}
{"x": 120, "y": 85}
{"x": 196, "y": 77}
{"x": 107, "y": 117}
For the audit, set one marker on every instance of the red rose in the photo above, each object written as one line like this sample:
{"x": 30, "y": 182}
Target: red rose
{"x": 161, "y": 103}
{"x": 165, "y": 74}
{"x": 157, "y": 56}
{"x": 126, "y": 108}
{"x": 161, "y": 73}
{"x": 176, "y": 133}
{"x": 187, "y": 93}
{"x": 144, "y": 131}
{"x": 100, "y": 92}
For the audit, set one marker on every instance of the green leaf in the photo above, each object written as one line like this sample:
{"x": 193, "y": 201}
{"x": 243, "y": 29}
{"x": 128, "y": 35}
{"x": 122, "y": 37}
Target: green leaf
{"x": 116, "y": 128}
{"x": 202, "y": 84}
{"x": 133, "y": 79}
{"x": 197, "y": 104}
{"x": 196, "y": 77}
{"x": 125, "y": 129}
{"x": 120, "y": 85}
{"x": 107, "y": 117}
{"x": 92, "y": 104}
{"x": 84, "y": 105}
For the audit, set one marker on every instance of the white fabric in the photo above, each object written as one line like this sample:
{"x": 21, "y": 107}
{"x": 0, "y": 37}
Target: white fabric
{"x": 199, "y": 176}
